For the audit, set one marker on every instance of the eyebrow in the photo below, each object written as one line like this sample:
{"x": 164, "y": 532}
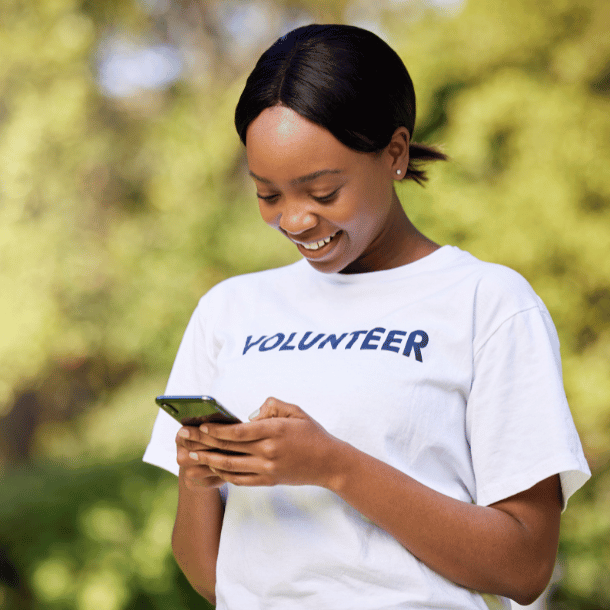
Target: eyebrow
{"x": 300, "y": 179}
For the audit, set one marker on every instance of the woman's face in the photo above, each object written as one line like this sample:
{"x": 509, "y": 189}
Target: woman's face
{"x": 338, "y": 206}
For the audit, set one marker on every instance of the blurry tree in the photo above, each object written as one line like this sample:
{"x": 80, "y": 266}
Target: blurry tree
{"x": 99, "y": 540}
{"x": 120, "y": 207}
{"x": 111, "y": 205}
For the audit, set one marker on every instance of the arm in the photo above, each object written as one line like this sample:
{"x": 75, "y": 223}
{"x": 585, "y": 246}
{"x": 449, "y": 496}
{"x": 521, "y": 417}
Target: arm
{"x": 507, "y": 549}
{"x": 196, "y": 534}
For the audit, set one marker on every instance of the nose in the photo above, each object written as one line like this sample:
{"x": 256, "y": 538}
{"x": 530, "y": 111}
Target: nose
{"x": 296, "y": 218}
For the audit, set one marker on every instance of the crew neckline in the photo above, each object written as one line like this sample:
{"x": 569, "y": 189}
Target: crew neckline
{"x": 434, "y": 260}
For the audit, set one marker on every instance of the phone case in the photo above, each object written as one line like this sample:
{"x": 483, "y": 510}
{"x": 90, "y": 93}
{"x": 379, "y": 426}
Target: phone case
{"x": 196, "y": 410}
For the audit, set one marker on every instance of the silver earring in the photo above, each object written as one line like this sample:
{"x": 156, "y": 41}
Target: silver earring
{"x": 398, "y": 172}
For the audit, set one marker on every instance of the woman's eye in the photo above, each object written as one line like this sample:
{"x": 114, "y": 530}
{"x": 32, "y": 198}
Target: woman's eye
{"x": 326, "y": 198}
{"x": 267, "y": 197}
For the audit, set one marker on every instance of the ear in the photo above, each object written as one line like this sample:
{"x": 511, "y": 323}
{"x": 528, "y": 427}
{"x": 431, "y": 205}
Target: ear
{"x": 398, "y": 151}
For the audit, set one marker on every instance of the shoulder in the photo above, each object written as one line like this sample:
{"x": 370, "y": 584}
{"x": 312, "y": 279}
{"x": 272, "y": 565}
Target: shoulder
{"x": 496, "y": 285}
{"x": 498, "y": 293}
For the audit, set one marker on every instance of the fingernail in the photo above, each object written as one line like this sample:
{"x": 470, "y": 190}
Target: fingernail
{"x": 194, "y": 456}
{"x": 204, "y": 429}
{"x": 255, "y": 414}
{"x": 183, "y": 433}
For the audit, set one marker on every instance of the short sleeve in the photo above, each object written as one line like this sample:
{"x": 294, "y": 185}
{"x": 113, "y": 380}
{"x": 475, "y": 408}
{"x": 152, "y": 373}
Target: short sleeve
{"x": 191, "y": 375}
{"x": 519, "y": 424}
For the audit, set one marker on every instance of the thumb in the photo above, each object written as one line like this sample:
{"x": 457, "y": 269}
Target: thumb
{"x": 272, "y": 407}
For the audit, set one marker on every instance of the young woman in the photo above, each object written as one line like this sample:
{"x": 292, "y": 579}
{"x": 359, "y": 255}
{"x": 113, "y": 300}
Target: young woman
{"x": 409, "y": 443}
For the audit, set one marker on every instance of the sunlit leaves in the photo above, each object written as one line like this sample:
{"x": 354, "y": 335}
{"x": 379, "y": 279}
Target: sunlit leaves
{"x": 117, "y": 214}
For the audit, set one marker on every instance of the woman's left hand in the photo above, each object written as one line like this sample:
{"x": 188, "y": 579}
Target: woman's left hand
{"x": 280, "y": 445}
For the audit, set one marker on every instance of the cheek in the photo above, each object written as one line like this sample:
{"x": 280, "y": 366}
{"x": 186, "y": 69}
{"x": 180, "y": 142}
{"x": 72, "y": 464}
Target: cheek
{"x": 368, "y": 210}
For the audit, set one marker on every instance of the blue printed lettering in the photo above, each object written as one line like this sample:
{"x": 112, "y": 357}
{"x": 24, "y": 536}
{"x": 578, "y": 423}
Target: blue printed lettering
{"x": 415, "y": 342}
{"x": 264, "y": 347}
{"x": 394, "y": 336}
{"x": 333, "y": 340}
{"x": 355, "y": 336}
{"x": 303, "y": 345}
{"x": 416, "y": 345}
{"x": 372, "y": 336}
{"x": 249, "y": 345}
{"x": 287, "y": 345}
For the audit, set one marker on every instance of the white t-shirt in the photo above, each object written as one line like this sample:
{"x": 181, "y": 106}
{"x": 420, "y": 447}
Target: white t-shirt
{"x": 447, "y": 368}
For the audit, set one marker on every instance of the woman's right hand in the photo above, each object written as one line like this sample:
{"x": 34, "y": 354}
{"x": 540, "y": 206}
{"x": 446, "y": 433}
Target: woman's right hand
{"x": 195, "y": 474}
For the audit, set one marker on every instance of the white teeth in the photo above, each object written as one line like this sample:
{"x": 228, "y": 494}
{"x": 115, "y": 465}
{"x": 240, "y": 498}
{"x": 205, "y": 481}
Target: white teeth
{"x": 316, "y": 245}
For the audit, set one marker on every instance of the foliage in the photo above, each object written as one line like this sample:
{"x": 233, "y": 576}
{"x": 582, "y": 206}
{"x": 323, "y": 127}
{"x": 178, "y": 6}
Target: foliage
{"x": 98, "y": 539}
{"x": 117, "y": 214}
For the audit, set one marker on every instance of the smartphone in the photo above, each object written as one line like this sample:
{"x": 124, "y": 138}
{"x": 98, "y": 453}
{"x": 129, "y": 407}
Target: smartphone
{"x": 196, "y": 410}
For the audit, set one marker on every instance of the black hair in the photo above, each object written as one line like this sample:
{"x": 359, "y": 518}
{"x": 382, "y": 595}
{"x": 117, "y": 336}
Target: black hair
{"x": 343, "y": 78}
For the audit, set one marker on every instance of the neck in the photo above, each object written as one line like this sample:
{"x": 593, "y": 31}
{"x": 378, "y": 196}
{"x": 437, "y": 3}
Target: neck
{"x": 399, "y": 244}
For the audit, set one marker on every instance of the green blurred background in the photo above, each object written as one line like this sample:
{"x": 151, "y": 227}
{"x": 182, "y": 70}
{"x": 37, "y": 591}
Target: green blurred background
{"x": 124, "y": 197}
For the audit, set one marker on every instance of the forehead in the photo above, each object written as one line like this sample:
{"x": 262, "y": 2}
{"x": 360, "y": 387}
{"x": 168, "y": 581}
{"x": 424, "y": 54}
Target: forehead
{"x": 280, "y": 140}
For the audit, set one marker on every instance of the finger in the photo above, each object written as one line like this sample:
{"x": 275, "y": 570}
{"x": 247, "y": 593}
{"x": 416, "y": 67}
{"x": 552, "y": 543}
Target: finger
{"x": 222, "y": 464}
{"x": 192, "y": 442}
{"x": 235, "y": 433}
{"x": 195, "y": 472}
{"x": 246, "y": 479}
{"x": 188, "y": 434}
{"x": 257, "y": 429}
{"x": 187, "y": 457}
{"x": 240, "y": 447}
{"x": 193, "y": 446}
{"x": 273, "y": 407}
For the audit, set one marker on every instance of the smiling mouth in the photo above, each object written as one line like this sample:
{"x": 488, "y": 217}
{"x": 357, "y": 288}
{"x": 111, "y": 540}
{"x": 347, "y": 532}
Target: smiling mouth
{"x": 316, "y": 245}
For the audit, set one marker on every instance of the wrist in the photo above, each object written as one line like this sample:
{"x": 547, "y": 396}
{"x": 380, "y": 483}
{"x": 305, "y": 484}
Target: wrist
{"x": 339, "y": 460}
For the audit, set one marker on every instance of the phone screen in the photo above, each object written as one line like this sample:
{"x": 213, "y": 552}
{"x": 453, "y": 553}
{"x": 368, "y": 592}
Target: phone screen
{"x": 196, "y": 410}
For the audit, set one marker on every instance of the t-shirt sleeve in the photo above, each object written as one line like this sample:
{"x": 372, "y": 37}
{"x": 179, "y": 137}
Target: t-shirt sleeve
{"x": 191, "y": 375}
{"x": 519, "y": 423}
